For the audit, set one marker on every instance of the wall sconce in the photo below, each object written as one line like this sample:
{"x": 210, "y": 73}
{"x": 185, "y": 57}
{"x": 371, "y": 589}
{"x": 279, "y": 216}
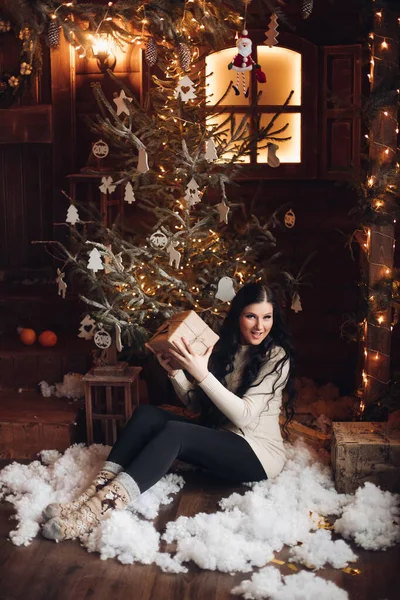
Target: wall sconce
{"x": 103, "y": 52}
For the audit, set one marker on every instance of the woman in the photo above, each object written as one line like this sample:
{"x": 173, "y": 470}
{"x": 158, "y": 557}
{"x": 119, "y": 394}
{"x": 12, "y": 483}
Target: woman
{"x": 238, "y": 438}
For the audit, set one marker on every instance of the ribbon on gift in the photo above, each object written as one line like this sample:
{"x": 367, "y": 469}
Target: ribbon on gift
{"x": 165, "y": 326}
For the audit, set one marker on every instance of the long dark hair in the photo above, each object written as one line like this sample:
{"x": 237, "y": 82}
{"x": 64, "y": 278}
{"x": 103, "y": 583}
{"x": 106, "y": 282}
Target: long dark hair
{"x": 222, "y": 358}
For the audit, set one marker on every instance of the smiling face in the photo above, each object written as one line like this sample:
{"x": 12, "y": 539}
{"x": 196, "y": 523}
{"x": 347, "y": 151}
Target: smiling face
{"x": 244, "y": 46}
{"x": 255, "y": 322}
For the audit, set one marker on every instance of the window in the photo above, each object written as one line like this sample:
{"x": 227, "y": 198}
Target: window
{"x": 291, "y": 65}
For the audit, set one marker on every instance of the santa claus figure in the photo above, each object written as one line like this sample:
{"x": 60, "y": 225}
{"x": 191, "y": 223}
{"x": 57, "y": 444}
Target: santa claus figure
{"x": 243, "y": 62}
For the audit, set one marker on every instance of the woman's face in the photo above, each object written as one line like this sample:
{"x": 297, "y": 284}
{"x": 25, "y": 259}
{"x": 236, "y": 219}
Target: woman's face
{"x": 255, "y": 323}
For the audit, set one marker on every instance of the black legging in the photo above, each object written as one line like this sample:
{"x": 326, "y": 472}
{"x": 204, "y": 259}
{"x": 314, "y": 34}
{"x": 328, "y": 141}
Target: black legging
{"x": 153, "y": 438}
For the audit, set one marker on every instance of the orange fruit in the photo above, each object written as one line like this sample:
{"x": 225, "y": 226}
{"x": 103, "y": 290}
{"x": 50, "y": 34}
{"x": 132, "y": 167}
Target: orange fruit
{"x": 47, "y": 339}
{"x": 27, "y": 337}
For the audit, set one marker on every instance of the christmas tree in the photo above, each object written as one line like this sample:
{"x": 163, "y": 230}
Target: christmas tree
{"x": 176, "y": 159}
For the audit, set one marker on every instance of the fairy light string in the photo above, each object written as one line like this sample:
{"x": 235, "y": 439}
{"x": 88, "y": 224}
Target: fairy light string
{"x": 82, "y": 21}
{"x": 379, "y": 244}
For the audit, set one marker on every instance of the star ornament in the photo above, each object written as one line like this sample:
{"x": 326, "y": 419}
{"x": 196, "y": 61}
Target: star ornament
{"x": 223, "y": 210}
{"x": 120, "y": 102}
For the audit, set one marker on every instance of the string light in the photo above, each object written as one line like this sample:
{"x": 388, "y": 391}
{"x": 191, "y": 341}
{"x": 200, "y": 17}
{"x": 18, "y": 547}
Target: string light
{"x": 371, "y": 240}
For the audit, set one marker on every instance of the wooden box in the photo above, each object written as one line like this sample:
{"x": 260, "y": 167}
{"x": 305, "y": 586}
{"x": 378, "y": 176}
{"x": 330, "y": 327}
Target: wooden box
{"x": 185, "y": 324}
{"x": 365, "y": 452}
{"x": 30, "y": 423}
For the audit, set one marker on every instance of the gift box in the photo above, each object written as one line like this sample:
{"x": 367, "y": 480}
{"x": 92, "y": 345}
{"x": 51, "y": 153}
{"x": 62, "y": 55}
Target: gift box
{"x": 365, "y": 452}
{"x": 185, "y": 324}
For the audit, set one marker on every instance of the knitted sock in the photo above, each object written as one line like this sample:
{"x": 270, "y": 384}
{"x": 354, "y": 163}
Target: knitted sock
{"x": 116, "y": 495}
{"x": 108, "y": 472}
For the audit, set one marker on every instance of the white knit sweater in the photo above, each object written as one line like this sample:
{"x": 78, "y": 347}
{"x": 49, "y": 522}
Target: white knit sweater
{"x": 255, "y": 416}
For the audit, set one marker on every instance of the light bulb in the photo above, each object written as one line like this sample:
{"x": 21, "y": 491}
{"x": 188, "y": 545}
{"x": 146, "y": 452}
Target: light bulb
{"x": 100, "y": 45}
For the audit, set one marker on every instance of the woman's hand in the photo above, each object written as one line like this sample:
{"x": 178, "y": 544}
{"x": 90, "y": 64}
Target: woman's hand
{"x": 195, "y": 364}
{"x": 164, "y": 361}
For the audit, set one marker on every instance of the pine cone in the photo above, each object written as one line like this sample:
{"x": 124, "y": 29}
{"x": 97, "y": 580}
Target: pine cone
{"x": 53, "y": 34}
{"x": 185, "y": 56}
{"x": 4, "y": 26}
{"x": 306, "y": 8}
{"x": 150, "y": 52}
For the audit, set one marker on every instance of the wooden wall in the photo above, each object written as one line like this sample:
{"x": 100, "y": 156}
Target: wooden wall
{"x": 25, "y": 202}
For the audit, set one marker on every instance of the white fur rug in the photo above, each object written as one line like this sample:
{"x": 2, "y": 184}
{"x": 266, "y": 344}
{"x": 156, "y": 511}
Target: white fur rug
{"x": 245, "y": 533}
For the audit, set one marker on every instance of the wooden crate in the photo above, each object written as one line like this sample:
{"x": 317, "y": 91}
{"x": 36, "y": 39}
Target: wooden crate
{"x": 365, "y": 452}
{"x": 110, "y": 399}
{"x": 30, "y": 423}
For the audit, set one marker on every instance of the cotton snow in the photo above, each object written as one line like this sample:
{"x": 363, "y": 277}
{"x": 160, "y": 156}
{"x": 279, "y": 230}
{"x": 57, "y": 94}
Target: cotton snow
{"x": 318, "y": 549}
{"x": 269, "y": 583}
{"x": 372, "y": 518}
{"x": 242, "y": 534}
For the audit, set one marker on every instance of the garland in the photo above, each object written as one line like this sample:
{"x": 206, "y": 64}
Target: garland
{"x": 12, "y": 84}
{"x": 176, "y": 24}
{"x": 208, "y": 22}
{"x": 166, "y": 20}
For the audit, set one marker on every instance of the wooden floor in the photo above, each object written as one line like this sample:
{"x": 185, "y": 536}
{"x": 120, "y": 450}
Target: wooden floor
{"x": 48, "y": 571}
